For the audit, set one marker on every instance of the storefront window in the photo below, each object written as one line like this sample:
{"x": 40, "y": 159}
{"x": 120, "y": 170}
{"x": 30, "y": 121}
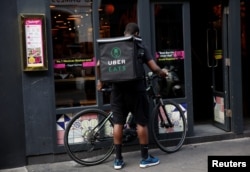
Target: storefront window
{"x": 114, "y": 15}
{"x": 74, "y": 61}
{"x": 169, "y": 48}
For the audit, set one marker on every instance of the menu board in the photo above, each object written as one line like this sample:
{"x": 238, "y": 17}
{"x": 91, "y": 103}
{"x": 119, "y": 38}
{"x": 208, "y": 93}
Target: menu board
{"x": 33, "y": 42}
{"x": 34, "y": 46}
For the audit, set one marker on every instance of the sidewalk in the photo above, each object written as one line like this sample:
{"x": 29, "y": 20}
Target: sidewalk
{"x": 191, "y": 158}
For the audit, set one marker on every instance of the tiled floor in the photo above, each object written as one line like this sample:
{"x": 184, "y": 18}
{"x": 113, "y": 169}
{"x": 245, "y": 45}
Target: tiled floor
{"x": 208, "y": 129}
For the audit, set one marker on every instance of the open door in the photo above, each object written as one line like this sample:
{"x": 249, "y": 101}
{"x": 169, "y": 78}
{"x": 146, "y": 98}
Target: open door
{"x": 218, "y": 61}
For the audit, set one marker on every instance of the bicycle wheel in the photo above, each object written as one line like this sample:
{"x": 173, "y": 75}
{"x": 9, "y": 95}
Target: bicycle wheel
{"x": 169, "y": 139}
{"x": 88, "y": 137}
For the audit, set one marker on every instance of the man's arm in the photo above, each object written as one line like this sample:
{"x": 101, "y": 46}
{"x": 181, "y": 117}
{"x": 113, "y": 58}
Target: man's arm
{"x": 99, "y": 83}
{"x": 156, "y": 69}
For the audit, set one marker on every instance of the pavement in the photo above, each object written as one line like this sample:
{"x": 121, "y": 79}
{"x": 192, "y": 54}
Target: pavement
{"x": 190, "y": 158}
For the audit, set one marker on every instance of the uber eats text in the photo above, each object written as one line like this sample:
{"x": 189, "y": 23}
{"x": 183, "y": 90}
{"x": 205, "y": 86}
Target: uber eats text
{"x": 117, "y": 65}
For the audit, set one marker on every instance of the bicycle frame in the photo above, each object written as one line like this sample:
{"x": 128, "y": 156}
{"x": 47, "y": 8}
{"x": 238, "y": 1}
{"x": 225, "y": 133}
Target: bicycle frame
{"x": 101, "y": 124}
{"x": 158, "y": 101}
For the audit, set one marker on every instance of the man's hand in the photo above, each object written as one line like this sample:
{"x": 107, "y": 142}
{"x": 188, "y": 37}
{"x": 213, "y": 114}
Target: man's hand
{"x": 99, "y": 85}
{"x": 156, "y": 69}
{"x": 163, "y": 73}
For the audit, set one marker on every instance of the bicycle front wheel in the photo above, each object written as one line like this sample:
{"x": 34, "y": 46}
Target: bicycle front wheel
{"x": 169, "y": 138}
{"x": 88, "y": 137}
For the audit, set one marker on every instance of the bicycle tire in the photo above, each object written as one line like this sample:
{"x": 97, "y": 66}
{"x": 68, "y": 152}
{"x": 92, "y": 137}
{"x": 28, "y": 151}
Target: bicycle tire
{"x": 82, "y": 145}
{"x": 169, "y": 139}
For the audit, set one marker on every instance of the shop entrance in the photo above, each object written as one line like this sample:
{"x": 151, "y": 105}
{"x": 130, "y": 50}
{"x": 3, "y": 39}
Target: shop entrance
{"x": 211, "y": 63}
{"x": 209, "y": 74}
{"x": 218, "y": 63}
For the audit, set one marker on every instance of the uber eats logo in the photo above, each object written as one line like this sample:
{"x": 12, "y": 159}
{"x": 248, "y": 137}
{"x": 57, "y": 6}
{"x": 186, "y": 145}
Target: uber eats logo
{"x": 118, "y": 62}
{"x": 116, "y": 52}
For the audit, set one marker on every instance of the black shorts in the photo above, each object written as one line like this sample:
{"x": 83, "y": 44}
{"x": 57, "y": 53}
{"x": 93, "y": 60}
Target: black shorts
{"x": 135, "y": 102}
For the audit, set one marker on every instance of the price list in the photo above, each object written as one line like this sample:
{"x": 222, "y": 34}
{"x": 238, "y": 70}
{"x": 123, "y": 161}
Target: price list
{"x": 34, "y": 42}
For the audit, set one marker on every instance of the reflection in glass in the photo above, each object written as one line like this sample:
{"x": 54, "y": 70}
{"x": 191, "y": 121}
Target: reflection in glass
{"x": 74, "y": 60}
{"x": 169, "y": 48}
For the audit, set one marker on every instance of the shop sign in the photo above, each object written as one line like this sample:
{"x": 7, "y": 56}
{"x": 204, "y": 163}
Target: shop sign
{"x": 170, "y": 55}
{"x": 63, "y": 63}
{"x": 71, "y": 2}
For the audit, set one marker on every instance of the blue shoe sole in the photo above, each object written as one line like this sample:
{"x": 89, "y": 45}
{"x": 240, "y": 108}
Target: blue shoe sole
{"x": 117, "y": 167}
{"x": 149, "y": 165}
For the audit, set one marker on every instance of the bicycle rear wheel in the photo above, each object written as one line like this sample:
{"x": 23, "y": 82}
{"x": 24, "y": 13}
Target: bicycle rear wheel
{"x": 169, "y": 139}
{"x": 88, "y": 137}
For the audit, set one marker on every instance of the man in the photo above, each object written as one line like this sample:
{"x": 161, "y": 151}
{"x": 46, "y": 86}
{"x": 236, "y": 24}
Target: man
{"x": 131, "y": 96}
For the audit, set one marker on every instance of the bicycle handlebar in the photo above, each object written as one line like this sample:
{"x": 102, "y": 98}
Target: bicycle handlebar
{"x": 106, "y": 89}
{"x": 151, "y": 76}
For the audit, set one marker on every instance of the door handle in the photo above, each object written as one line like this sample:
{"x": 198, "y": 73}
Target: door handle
{"x": 211, "y": 34}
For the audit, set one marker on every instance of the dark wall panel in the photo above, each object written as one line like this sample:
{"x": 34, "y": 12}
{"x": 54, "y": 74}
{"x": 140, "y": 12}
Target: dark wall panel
{"x": 38, "y": 93}
{"x": 12, "y": 139}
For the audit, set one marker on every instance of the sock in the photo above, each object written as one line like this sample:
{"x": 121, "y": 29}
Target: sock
{"x": 118, "y": 149}
{"x": 144, "y": 151}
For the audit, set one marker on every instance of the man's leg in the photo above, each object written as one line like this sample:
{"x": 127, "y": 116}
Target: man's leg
{"x": 118, "y": 128}
{"x": 142, "y": 132}
{"x": 118, "y": 131}
{"x": 143, "y": 140}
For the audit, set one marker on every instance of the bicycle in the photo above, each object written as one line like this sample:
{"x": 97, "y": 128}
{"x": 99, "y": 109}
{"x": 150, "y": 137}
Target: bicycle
{"x": 88, "y": 136}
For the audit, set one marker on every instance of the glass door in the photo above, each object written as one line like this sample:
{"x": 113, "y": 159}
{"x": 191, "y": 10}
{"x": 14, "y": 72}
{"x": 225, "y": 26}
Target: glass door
{"x": 169, "y": 48}
{"x": 218, "y": 61}
{"x": 171, "y": 26}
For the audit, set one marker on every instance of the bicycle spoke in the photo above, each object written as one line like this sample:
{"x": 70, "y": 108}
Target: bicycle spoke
{"x": 169, "y": 139}
{"x": 89, "y": 138}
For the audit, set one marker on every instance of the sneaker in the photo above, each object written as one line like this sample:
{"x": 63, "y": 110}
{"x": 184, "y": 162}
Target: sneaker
{"x": 118, "y": 164}
{"x": 150, "y": 161}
